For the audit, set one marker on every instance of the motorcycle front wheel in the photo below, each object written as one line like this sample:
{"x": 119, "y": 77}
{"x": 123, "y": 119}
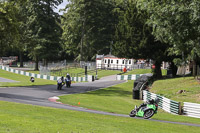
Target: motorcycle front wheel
{"x": 133, "y": 113}
{"x": 148, "y": 113}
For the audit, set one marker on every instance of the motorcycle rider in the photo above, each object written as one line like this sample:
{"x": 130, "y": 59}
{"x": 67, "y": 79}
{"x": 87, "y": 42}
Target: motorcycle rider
{"x": 60, "y": 83}
{"x": 68, "y": 79}
{"x": 68, "y": 76}
{"x": 152, "y": 101}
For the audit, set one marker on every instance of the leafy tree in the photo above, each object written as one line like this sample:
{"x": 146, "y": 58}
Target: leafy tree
{"x": 8, "y": 26}
{"x": 88, "y": 28}
{"x": 176, "y": 23}
{"x": 134, "y": 38}
{"x": 43, "y": 29}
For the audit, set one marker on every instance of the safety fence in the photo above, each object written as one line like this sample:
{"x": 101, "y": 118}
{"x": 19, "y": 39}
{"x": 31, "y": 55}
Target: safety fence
{"x": 165, "y": 103}
{"x": 88, "y": 78}
{"x": 191, "y": 109}
{"x": 121, "y": 67}
{"x": 128, "y": 77}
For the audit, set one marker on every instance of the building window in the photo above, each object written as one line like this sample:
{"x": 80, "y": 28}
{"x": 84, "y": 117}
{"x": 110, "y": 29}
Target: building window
{"x": 111, "y": 61}
{"x": 117, "y": 61}
{"x": 123, "y": 62}
{"x": 105, "y": 61}
{"x": 129, "y": 61}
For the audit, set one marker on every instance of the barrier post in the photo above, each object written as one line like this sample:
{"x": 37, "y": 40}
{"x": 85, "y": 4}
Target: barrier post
{"x": 180, "y": 109}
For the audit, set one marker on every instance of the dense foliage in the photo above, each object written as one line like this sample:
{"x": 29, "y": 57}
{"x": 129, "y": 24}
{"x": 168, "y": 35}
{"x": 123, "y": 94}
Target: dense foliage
{"x": 161, "y": 30}
{"x": 88, "y": 28}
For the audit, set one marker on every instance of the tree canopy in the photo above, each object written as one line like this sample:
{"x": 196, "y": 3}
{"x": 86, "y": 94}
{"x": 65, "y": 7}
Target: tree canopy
{"x": 88, "y": 28}
{"x": 160, "y": 30}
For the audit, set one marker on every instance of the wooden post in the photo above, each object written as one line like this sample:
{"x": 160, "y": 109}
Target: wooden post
{"x": 180, "y": 109}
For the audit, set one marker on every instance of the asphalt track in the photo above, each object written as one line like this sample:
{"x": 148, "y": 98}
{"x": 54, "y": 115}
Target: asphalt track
{"x": 41, "y": 95}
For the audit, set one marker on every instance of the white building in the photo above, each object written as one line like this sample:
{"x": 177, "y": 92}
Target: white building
{"x": 113, "y": 62}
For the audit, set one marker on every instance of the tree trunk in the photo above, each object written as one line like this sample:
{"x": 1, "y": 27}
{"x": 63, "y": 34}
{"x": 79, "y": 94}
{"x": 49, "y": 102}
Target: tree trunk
{"x": 21, "y": 59}
{"x": 45, "y": 63}
{"x": 157, "y": 71}
{"x": 36, "y": 64}
{"x": 174, "y": 68}
{"x": 194, "y": 69}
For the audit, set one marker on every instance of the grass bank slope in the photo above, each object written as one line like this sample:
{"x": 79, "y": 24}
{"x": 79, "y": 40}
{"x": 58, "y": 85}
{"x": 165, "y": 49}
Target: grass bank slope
{"x": 170, "y": 88}
{"x": 20, "y": 118}
{"x": 118, "y": 99}
{"x": 23, "y": 80}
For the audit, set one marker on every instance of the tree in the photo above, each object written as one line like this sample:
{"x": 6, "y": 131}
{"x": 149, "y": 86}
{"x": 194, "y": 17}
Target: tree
{"x": 88, "y": 28}
{"x": 43, "y": 29}
{"x": 8, "y": 26}
{"x": 176, "y": 23}
{"x": 134, "y": 38}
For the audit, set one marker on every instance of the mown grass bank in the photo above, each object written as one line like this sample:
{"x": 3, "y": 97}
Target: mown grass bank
{"x": 143, "y": 71}
{"x": 117, "y": 99}
{"x": 23, "y": 80}
{"x": 20, "y": 118}
{"x": 74, "y": 72}
{"x": 170, "y": 88}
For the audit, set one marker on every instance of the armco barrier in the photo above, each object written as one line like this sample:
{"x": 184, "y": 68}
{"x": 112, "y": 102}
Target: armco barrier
{"x": 128, "y": 77}
{"x": 77, "y": 79}
{"x": 165, "y": 103}
{"x": 191, "y": 109}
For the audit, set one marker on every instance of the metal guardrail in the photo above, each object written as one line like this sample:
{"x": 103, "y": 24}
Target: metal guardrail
{"x": 165, "y": 103}
{"x": 121, "y": 67}
{"x": 191, "y": 109}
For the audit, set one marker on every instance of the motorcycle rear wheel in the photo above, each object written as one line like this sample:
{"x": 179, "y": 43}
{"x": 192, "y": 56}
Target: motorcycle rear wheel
{"x": 133, "y": 113}
{"x": 148, "y": 113}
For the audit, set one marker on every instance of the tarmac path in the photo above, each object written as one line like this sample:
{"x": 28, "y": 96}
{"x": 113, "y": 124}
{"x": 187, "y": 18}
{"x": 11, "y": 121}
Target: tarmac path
{"x": 41, "y": 95}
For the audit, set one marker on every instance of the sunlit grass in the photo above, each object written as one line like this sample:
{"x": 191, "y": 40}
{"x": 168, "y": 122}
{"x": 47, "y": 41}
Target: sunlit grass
{"x": 170, "y": 87}
{"x": 21, "y": 118}
{"x": 22, "y": 80}
{"x": 117, "y": 99}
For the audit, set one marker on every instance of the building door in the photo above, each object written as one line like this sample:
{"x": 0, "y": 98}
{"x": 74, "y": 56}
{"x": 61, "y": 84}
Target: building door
{"x": 108, "y": 62}
{"x": 126, "y": 63}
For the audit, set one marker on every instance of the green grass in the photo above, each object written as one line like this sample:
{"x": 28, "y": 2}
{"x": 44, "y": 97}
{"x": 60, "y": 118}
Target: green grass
{"x": 103, "y": 73}
{"x": 170, "y": 87}
{"x": 138, "y": 71}
{"x": 74, "y": 71}
{"x": 143, "y": 71}
{"x": 23, "y": 80}
{"x": 117, "y": 99}
{"x": 20, "y": 118}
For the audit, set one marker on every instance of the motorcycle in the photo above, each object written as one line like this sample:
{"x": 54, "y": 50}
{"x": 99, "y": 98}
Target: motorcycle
{"x": 68, "y": 82}
{"x": 146, "y": 110}
{"x": 60, "y": 83}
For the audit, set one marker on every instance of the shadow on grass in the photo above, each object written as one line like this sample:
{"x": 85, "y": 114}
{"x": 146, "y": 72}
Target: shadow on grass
{"x": 112, "y": 91}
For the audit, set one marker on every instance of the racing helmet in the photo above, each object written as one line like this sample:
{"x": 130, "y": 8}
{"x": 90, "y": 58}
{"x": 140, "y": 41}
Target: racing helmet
{"x": 157, "y": 100}
{"x": 151, "y": 101}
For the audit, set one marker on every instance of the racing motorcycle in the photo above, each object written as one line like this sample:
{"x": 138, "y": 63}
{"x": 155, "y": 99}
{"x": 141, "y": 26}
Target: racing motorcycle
{"x": 146, "y": 110}
{"x": 68, "y": 82}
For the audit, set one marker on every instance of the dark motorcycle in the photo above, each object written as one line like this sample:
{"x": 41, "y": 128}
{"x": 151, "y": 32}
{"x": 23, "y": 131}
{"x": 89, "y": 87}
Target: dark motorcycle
{"x": 68, "y": 82}
{"x": 146, "y": 110}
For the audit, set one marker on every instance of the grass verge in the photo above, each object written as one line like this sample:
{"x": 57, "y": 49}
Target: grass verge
{"x": 74, "y": 71}
{"x": 143, "y": 71}
{"x": 170, "y": 88}
{"x": 118, "y": 99}
{"x": 23, "y": 80}
{"x": 20, "y": 118}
